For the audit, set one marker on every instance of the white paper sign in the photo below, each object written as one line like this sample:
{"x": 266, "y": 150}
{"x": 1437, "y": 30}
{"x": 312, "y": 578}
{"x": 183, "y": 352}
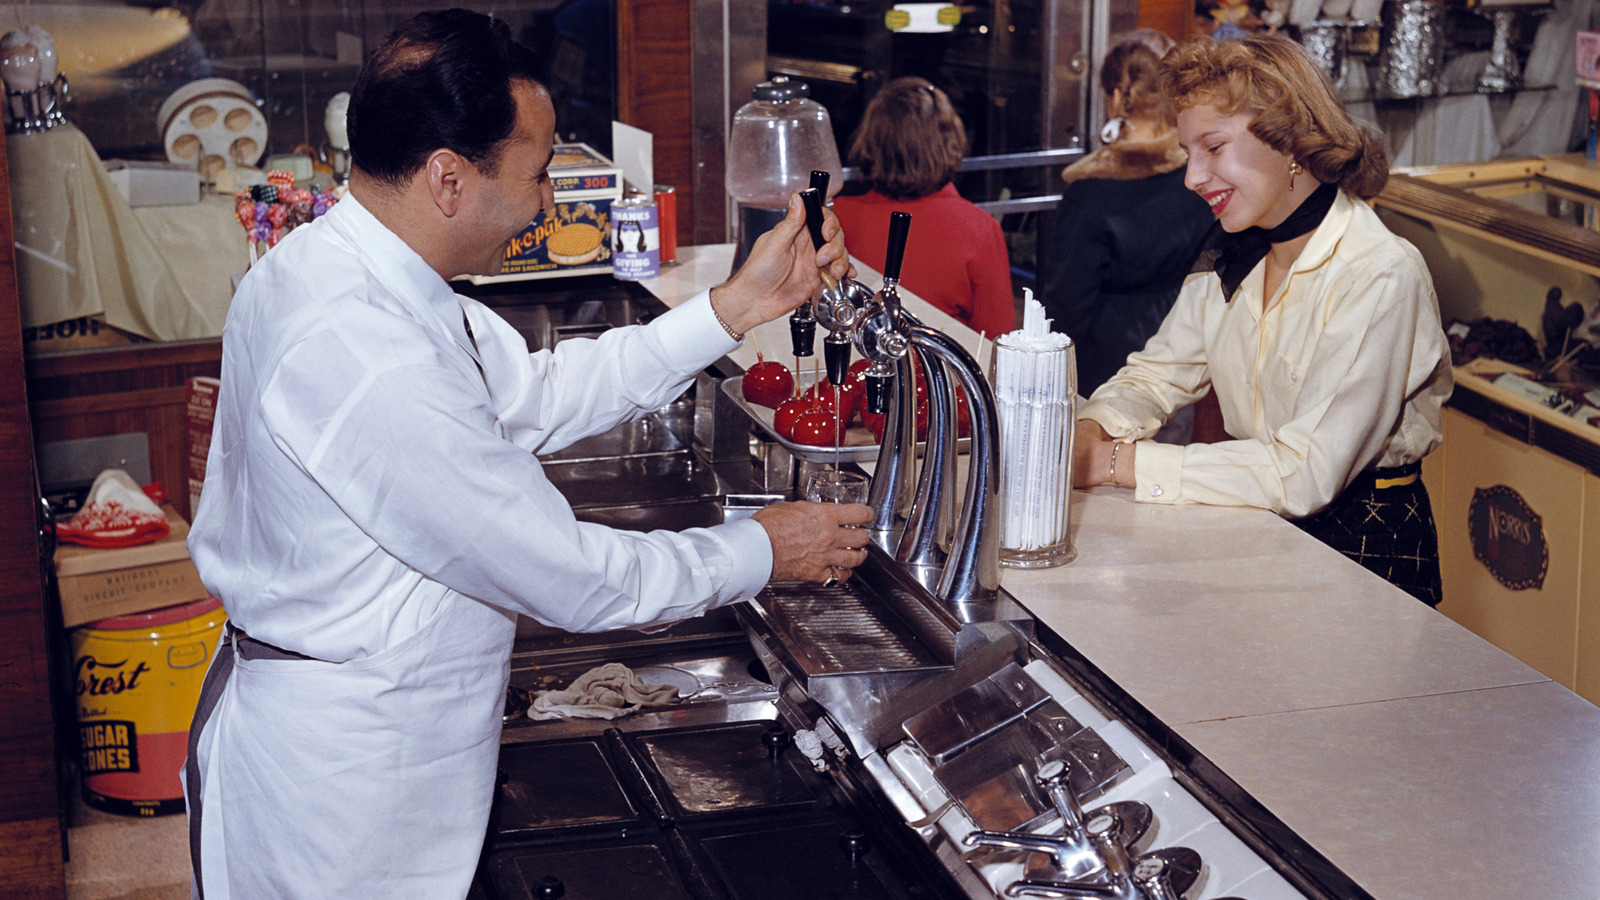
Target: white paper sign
{"x": 633, "y": 150}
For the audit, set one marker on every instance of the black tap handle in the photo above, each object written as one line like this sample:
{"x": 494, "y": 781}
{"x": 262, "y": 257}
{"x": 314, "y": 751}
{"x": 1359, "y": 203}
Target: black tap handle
{"x": 812, "y": 199}
{"x": 819, "y": 180}
{"x": 836, "y": 353}
{"x": 879, "y": 388}
{"x": 803, "y": 330}
{"x": 899, "y": 228}
{"x": 549, "y": 888}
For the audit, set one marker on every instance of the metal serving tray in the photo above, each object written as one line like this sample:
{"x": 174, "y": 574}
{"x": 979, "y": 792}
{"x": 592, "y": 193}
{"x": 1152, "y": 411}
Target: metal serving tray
{"x": 859, "y": 444}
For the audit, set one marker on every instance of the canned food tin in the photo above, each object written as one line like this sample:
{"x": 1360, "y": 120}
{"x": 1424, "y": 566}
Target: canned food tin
{"x": 667, "y": 208}
{"x": 138, "y": 681}
{"x": 635, "y": 239}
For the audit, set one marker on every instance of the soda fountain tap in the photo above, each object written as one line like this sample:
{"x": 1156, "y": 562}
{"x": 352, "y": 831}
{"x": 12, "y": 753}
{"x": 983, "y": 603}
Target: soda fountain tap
{"x": 803, "y": 321}
{"x": 884, "y": 333}
{"x": 972, "y": 571}
{"x": 839, "y": 304}
{"x": 931, "y": 515}
{"x": 891, "y": 392}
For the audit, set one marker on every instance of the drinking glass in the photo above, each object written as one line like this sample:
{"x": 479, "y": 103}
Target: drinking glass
{"x": 834, "y": 486}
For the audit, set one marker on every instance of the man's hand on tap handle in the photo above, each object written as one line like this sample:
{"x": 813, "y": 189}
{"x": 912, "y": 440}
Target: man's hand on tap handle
{"x": 782, "y": 272}
{"x": 811, "y": 541}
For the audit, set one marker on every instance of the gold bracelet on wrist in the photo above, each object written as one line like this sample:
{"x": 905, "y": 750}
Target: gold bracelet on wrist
{"x": 1115, "y": 446}
{"x": 738, "y": 336}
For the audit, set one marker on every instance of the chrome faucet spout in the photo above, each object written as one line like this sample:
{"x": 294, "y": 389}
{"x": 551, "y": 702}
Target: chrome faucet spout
{"x": 891, "y": 478}
{"x": 929, "y": 521}
{"x": 1071, "y": 856}
{"x": 972, "y": 571}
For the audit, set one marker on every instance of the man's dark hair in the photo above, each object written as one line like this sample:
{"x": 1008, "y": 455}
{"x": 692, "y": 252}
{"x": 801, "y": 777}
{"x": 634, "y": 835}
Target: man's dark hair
{"x": 441, "y": 80}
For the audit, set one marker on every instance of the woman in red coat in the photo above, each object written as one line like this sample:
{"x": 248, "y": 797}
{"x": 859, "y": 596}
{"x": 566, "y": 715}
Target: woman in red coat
{"x": 908, "y": 147}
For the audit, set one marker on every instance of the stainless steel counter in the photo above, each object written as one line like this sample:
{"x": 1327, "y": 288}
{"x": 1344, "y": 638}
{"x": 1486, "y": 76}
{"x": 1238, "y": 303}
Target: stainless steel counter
{"x": 1419, "y": 759}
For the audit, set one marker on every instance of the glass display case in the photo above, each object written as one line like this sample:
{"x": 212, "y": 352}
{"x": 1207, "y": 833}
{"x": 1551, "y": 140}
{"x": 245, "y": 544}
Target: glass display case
{"x": 224, "y": 89}
{"x": 123, "y": 62}
{"x": 1514, "y": 251}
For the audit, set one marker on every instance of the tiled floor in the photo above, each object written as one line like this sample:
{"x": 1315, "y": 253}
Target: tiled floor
{"x": 124, "y": 858}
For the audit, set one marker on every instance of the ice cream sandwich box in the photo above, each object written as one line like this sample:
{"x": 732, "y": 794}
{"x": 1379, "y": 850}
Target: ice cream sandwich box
{"x": 574, "y": 236}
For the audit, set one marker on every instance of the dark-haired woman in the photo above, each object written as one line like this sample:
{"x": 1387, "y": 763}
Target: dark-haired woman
{"x": 1127, "y": 230}
{"x": 908, "y": 148}
{"x": 1316, "y": 327}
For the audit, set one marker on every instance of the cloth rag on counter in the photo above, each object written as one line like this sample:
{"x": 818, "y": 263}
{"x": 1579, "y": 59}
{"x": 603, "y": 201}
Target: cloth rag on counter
{"x": 604, "y": 692}
{"x": 117, "y": 513}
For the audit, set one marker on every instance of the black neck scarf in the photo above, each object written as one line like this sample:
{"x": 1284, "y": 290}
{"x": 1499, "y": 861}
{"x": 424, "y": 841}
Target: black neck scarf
{"x": 1234, "y": 255}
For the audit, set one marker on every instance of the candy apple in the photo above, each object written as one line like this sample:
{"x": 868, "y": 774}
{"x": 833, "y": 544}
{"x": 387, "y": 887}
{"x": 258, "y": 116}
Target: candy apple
{"x": 768, "y": 383}
{"x": 788, "y": 411}
{"x": 876, "y": 422}
{"x": 818, "y": 428}
{"x": 842, "y": 400}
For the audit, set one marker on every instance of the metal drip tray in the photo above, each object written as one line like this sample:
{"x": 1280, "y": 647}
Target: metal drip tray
{"x": 842, "y": 629}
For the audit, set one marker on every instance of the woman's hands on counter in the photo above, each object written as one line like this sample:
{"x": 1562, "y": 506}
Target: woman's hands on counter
{"x": 1093, "y": 452}
{"x": 810, "y": 541}
{"x": 783, "y": 271}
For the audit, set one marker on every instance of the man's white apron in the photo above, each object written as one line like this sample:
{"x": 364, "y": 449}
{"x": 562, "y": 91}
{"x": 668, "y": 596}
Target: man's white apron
{"x": 366, "y": 778}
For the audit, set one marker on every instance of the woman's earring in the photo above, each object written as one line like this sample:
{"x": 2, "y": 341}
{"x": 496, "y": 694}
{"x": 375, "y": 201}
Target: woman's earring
{"x": 1112, "y": 130}
{"x": 1294, "y": 169}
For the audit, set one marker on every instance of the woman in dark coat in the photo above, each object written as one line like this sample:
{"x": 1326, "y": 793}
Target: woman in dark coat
{"x": 1127, "y": 231}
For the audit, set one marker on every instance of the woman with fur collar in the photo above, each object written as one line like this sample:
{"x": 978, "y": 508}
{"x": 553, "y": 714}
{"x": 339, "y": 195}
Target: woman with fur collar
{"x": 1127, "y": 230}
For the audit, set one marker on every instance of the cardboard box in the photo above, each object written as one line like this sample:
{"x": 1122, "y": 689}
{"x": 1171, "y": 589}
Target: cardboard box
{"x": 149, "y": 183}
{"x": 99, "y": 583}
{"x": 82, "y": 333}
{"x": 573, "y": 237}
{"x": 1588, "y": 58}
{"x": 199, "y": 413}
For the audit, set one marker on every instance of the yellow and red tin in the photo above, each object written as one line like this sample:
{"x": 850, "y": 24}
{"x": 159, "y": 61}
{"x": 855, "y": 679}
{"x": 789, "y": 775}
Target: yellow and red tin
{"x": 138, "y": 680}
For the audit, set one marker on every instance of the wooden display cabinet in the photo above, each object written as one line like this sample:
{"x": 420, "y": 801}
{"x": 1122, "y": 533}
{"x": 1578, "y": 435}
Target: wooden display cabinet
{"x": 1498, "y": 237}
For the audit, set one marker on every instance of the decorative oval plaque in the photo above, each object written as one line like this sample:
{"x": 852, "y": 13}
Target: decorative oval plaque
{"x": 1508, "y": 537}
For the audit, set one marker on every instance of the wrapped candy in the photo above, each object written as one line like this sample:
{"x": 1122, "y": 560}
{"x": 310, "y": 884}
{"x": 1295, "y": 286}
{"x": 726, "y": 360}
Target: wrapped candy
{"x": 270, "y": 211}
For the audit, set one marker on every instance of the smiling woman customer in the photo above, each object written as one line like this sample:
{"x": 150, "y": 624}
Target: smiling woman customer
{"x": 1316, "y": 327}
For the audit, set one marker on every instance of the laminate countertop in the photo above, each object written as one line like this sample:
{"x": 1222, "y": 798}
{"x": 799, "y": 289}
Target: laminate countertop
{"x": 1418, "y": 758}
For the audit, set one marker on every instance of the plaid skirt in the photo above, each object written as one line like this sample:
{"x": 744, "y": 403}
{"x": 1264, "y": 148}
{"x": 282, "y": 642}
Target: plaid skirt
{"x": 1384, "y": 521}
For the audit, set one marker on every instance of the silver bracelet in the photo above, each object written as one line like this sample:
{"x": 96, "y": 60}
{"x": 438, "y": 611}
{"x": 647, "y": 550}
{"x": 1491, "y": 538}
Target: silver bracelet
{"x": 1115, "y": 446}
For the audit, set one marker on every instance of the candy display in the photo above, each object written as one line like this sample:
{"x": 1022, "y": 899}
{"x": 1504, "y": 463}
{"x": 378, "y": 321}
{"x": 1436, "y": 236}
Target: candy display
{"x": 270, "y": 211}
